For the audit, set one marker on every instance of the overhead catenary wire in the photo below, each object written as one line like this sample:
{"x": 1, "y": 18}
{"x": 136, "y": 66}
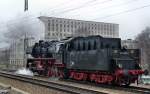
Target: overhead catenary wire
{"x": 126, "y": 11}
{"x": 72, "y": 9}
{"x": 113, "y": 6}
{"x": 54, "y": 9}
{"x": 119, "y": 13}
{"x": 11, "y": 22}
{"x": 81, "y": 6}
{"x": 32, "y": 15}
{"x": 122, "y": 12}
{"x": 66, "y": 11}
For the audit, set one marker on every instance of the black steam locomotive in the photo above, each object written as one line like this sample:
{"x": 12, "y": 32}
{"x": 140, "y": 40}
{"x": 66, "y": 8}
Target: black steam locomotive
{"x": 92, "y": 58}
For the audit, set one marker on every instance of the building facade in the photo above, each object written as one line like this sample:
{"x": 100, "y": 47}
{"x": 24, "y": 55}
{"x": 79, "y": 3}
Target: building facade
{"x": 130, "y": 44}
{"x": 17, "y": 52}
{"x": 56, "y": 28}
{"x": 4, "y": 56}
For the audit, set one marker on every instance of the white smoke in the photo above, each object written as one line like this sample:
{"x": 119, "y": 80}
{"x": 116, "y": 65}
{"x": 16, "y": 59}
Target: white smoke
{"x": 24, "y": 71}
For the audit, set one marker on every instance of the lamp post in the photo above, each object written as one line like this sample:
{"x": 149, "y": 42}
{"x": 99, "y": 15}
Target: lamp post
{"x": 25, "y": 5}
{"x": 26, "y": 46}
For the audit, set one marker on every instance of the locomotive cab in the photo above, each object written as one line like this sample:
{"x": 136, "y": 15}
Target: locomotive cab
{"x": 126, "y": 67}
{"x": 125, "y": 61}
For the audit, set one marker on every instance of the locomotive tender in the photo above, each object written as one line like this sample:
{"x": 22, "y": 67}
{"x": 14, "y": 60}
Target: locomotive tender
{"x": 92, "y": 58}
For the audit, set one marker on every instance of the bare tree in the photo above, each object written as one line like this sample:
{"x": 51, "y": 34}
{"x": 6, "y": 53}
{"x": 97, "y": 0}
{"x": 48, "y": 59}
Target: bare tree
{"x": 144, "y": 43}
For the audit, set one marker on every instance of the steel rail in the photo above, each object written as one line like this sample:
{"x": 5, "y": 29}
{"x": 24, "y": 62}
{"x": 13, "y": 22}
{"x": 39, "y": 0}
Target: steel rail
{"x": 48, "y": 84}
{"x": 132, "y": 89}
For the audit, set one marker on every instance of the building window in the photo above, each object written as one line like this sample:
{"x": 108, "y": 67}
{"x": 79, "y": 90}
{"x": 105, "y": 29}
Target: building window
{"x": 49, "y": 34}
{"x": 105, "y": 27}
{"x": 75, "y": 26}
{"x": 60, "y": 29}
{"x": 56, "y": 28}
{"x": 60, "y": 34}
{"x": 64, "y": 30}
{"x": 53, "y": 28}
{"x": 48, "y": 26}
{"x": 53, "y": 21}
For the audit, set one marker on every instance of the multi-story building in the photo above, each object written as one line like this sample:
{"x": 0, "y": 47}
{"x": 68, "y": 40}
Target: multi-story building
{"x": 130, "y": 44}
{"x": 4, "y": 56}
{"x": 56, "y": 28}
{"x": 17, "y": 52}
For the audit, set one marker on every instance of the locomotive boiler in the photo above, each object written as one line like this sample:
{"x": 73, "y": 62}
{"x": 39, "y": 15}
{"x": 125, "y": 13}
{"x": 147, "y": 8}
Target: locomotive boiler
{"x": 92, "y": 58}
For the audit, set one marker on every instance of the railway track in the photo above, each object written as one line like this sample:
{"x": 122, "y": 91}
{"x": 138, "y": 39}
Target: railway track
{"x": 59, "y": 85}
{"x": 138, "y": 89}
{"x": 131, "y": 89}
{"x": 48, "y": 84}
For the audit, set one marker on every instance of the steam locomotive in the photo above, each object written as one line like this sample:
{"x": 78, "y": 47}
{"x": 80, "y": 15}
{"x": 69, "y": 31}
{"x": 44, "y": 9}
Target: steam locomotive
{"x": 92, "y": 58}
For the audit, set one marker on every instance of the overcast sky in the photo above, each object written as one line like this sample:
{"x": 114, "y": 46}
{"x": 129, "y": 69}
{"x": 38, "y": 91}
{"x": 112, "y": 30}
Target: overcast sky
{"x": 131, "y": 15}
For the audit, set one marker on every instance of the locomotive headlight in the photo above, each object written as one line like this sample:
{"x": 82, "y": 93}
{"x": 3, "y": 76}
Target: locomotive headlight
{"x": 139, "y": 64}
{"x": 120, "y": 65}
{"x": 115, "y": 51}
{"x": 132, "y": 51}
